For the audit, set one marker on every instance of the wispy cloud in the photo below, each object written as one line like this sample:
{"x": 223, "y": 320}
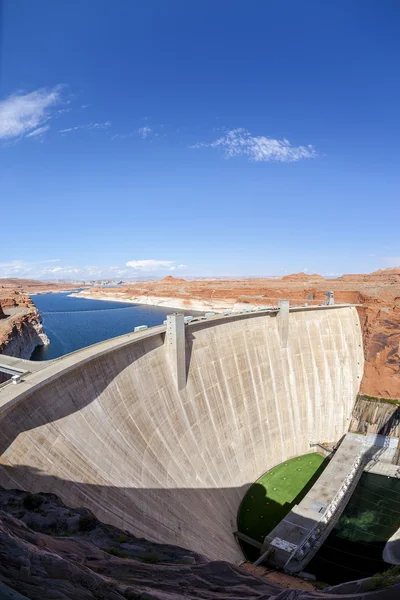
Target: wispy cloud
{"x": 150, "y": 264}
{"x": 20, "y": 114}
{"x": 38, "y": 131}
{"x": 23, "y": 268}
{"x": 104, "y": 125}
{"x": 55, "y": 269}
{"x": 144, "y": 131}
{"x": 123, "y": 136}
{"x": 63, "y": 111}
{"x": 239, "y": 142}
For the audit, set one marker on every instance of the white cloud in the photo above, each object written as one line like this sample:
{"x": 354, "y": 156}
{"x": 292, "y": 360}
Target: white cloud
{"x": 22, "y": 268}
{"x": 47, "y": 269}
{"x": 150, "y": 264}
{"x": 23, "y": 113}
{"x": 99, "y": 125}
{"x": 38, "y": 131}
{"x": 105, "y": 125}
{"x": 122, "y": 136}
{"x": 144, "y": 131}
{"x": 238, "y": 142}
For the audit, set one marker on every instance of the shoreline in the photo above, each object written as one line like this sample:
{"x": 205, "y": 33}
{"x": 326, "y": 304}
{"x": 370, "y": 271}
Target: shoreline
{"x": 165, "y": 302}
{"x": 51, "y": 292}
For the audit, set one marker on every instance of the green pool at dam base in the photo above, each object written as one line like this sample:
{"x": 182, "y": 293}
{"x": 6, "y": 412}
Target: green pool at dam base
{"x": 274, "y": 494}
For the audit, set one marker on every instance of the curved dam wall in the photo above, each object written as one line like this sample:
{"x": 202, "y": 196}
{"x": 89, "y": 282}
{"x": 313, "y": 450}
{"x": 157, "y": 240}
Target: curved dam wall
{"x": 107, "y": 428}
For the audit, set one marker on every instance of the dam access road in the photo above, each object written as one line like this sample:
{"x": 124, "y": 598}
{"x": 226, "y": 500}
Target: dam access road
{"x": 165, "y": 449}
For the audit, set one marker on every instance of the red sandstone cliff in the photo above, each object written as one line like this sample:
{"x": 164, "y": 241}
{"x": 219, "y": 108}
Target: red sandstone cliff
{"x": 21, "y": 328}
{"x": 303, "y": 277}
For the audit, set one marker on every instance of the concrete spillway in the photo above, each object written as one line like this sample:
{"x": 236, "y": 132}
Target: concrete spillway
{"x": 107, "y": 427}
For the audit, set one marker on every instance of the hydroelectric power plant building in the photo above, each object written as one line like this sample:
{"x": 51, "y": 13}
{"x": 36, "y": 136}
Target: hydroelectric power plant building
{"x": 163, "y": 431}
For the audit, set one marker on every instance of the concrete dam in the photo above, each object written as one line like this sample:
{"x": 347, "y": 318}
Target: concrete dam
{"x": 164, "y": 437}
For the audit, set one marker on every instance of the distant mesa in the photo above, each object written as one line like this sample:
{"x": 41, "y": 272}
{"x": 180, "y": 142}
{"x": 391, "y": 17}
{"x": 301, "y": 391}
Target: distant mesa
{"x": 380, "y": 275}
{"x": 390, "y": 271}
{"x": 303, "y": 277}
{"x": 170, "y": 279}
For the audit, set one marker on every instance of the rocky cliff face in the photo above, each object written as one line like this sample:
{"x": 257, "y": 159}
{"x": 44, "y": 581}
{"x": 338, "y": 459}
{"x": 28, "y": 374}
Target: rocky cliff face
{"x": 21, "y": 328}
{"x": 25, "y": 332}
{"x": 48, "y": 550}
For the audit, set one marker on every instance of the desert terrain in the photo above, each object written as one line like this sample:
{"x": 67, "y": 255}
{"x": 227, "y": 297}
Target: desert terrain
{"x": 377, "y": 293}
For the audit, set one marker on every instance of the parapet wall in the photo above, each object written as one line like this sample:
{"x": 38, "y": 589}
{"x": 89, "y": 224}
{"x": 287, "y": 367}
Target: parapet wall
{"x": 107, "y": 428}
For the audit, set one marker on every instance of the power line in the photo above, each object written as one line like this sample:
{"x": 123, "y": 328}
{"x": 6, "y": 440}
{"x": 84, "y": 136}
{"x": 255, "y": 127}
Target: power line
{"x": 382, "y": 496}
{"x": 343, "y": 566}
{"x": 352, "y": 553}
{"x": 370, "y": 544}
{"x": 68, "y": 312}
{"x": 383, "y": 487}
{"x": 376, "y": 504}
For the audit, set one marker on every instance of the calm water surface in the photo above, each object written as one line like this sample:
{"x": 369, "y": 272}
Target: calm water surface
{"x": 73, "y": 323}
{"x": 354, "y": 548}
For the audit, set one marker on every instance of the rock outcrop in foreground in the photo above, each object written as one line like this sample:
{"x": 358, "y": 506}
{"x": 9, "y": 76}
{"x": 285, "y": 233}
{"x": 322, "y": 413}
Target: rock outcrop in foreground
{"x": 49, "y": 551}
{"x": 21, "y": 328}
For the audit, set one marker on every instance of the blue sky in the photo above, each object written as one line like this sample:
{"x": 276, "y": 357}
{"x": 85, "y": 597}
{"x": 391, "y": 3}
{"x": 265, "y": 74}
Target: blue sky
{"x": 199, "y": 138}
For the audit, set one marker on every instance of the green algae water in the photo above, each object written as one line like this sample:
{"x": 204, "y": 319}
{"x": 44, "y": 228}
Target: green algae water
{"x": 354, "y": 548}
{"x": 272, "y": 496}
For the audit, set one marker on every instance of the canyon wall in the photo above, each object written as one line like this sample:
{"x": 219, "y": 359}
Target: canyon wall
{"x": 372, "y": 416}
{"x": 21, "y": 328}
{"x": 106, "y": 427}
{"x": 24, "y": 333}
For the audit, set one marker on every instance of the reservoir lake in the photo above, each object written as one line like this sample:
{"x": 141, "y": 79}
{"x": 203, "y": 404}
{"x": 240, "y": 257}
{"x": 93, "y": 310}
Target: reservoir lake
{"x": 74, "y": 323}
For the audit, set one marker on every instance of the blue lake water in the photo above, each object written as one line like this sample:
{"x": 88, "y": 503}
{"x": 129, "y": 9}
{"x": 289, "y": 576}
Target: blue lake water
{"x": 73, "y": 323}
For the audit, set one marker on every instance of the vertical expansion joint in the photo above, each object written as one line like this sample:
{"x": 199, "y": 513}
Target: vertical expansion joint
{"x": 283, "y": 322}
{"x": 175, "y": 346}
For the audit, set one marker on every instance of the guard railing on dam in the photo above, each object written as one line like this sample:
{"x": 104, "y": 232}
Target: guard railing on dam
{"x": 305, "y": 551}
{"x": 27, "y": 367}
